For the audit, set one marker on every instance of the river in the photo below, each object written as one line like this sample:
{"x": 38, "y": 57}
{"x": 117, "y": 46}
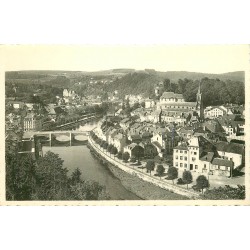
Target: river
{"x": 80, "y": 157}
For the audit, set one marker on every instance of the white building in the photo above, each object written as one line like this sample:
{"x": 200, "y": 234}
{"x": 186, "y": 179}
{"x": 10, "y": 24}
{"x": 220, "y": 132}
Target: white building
{"x": 149, "y": 103}
{"x": 32, "y": 122}
{"x": 214, "y": 112}
{"x": 201, "y": 156}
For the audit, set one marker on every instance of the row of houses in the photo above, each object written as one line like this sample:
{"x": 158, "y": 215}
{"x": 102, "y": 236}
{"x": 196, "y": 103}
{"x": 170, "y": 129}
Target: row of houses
{"x": 201, "y": 156}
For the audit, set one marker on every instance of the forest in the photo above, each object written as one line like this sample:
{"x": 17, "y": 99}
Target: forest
{"x": 222, "y": 91}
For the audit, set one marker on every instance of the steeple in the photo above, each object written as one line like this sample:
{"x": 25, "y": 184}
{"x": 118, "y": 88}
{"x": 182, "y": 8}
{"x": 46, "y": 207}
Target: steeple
{"x": 199, "y": 89}
{"x": 199, "y": 102}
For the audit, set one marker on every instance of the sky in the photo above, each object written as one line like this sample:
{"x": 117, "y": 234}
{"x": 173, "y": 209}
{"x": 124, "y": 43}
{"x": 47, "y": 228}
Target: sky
{"x": 193, "y": 58}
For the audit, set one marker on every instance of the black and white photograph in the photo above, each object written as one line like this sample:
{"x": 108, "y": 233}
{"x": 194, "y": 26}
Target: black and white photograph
{"x": 125, "y": 124}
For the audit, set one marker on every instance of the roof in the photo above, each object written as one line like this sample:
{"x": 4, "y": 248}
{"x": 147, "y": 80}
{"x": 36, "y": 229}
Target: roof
{"x": 135, "y": 137}
{"x": 231, "y": 147}
{"x": 182, "y": 146}
{"x": 191, "y": 104}
{"x": 157, "y": 144}
{"x": 147, "y": 134}
{"x": 26, "y": 146}
{"x": 171, "y": 95}
{"x": 207, "y": 157}
{"x": 119, "y": 136}
{"x": 222, "y": 162}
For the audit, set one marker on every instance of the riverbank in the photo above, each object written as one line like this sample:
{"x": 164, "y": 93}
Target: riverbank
{"x": 143, "y": 189}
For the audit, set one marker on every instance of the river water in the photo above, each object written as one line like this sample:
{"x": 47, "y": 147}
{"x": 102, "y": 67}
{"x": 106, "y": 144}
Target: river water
{"x": 80, "y": 157}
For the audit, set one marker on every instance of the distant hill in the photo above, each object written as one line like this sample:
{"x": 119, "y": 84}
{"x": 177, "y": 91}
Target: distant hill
{"x": 176, "y": 75}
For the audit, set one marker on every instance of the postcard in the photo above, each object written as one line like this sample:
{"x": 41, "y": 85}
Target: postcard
{"x": 124, "y": 125}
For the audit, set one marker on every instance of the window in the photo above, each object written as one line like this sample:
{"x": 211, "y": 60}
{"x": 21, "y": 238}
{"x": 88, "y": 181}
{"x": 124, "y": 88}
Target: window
{"x": 205, "y": 166}
{"x": 185, "y": 158}
{"x": 181, "y": 151}
{"x": 176, "y": 150}
{"x": 185, "y": 165}
{"x": 185, "y": 152}
{"x": 181, "y": 165}
{"x": 193, "y": 158}
{"x": 195, "y": 153}
{"x": 181, "y": 158}
{"x": 176, "y": 157}
{"x": 196, "y": 167}
{"x": 176, "y": 164}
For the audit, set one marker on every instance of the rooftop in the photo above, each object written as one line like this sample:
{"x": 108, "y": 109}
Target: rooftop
{"x": 171, "y": 95}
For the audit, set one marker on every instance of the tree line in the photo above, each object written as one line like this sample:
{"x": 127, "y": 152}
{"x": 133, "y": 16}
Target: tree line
{"x": 47, "y": 179}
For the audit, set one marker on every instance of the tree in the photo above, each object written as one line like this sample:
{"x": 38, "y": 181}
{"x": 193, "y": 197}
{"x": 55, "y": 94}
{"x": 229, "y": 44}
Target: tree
{"x": 138, "y": 152}
{"x": 125, "y": 156}
{"x": 150, "y": 166}
{"x": 225, "y": 193}
{"x": 110, "y": 146}
{"x": 20, "y": 176}
{"x": 105, "y": 146}
{"x": 52, "y": 178}
{"x": 76, "y": 176}
{"x": 114, "y": 151}
{"x": 202, "y": 182}
{"x": 119, "y": 155}
{"x": 187, "y": 177}
{"x": 172, "y": 173}
{"x": 160, "y": 170}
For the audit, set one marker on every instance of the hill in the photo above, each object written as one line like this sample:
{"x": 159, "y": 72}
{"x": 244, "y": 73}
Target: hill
{"x": 174, "y": 76}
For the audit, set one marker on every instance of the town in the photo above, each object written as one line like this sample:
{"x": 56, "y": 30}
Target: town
{"x": 184, "y": 146}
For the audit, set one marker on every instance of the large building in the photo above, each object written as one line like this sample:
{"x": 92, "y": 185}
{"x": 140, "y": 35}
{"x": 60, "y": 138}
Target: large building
{"x": 32, "y": 122}
{"x": 201, "y": 156}
{"x": 172, "y": 102}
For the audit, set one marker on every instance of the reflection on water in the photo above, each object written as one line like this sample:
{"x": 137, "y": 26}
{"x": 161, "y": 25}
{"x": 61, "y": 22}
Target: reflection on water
{"x": 80, "y": 157}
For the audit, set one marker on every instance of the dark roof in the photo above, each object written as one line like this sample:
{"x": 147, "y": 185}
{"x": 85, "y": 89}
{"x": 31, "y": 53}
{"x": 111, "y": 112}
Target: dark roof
{"x": 135, "y": 137}
{"x": 222, "y": 162}
{"x": 182, "y": 146}
{"x": 207, "y": 157}
{"x": 157, "y": 144}
{"x": 230, "y": 147}
{"x": 146, "y": 134}
{"x": 26, "y": 146}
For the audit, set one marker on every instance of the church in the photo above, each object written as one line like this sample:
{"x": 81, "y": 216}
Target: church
{"x": 175, "y": 103}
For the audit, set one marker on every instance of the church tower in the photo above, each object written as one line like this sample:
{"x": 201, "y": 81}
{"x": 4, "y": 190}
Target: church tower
{"x": 199, "y": 103}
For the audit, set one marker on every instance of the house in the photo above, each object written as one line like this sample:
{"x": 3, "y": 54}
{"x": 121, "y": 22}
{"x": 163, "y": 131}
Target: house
{"x": 234, "y": 126}
{"x": 125, "y": 123}
{"x": 201, "y": 156}
{"x": 192, "y": 154}
{"x": 186, "y": 132}
{"x": 149, "y": 103}
{"x": 131, "y": 148}
{"x": 32, "y": 122}
{"x": 120, "y": 141}
{"x": 16, "y": 104}
{"x": 164, "y": 141}
{"x": 231, "y": 151}
{"x": 214, "y": 112}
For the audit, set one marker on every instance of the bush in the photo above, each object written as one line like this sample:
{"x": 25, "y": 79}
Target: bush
{"x": 125, "y": 156}
{"x": 180, "y": 181}
{"x": 119, "y": 155}
{"x": 150, "y": 166}
{"x": 132, "y": 159}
